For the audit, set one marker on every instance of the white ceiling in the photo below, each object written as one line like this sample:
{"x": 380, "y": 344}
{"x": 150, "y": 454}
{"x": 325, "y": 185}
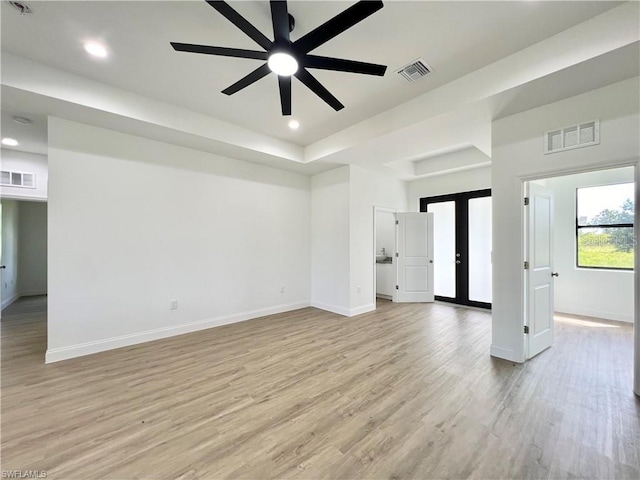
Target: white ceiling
{"x": 455, "y": 38}
{"x": 491, "y": 60}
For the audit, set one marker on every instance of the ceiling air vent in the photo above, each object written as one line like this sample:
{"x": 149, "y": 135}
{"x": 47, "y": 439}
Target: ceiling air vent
{"x": 415, "y": 70}
{"x": 18, "y": 179}
{"x": 575, "y": 136}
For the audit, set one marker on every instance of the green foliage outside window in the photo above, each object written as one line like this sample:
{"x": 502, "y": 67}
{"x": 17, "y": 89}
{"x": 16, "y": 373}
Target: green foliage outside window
{"x": 611, "y": 243}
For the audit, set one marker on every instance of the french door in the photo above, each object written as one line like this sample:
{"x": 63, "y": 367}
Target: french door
{"x": 462, "y": 247}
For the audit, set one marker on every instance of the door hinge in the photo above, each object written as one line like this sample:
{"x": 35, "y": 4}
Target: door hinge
{"x": 526, "y": 265}
{"x": 397, "y": 254}
{"x": 397, "y": 287}
{"x": 397, "y": 222}
{"x": 526, "y": 201}
{"x": 526, "y": 329}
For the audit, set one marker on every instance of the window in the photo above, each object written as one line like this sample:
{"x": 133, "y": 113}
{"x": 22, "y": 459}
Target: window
{"x": 604, "y": 226}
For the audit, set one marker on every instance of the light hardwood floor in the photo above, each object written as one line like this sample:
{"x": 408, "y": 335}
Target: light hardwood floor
{"x": 408, "y": 391}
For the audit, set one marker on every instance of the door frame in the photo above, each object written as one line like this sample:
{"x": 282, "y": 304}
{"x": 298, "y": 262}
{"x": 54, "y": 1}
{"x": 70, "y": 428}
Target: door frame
{"x": 558, "y": 172}
{"x": 377, "y": 209}
{"x": 462, "y": 244}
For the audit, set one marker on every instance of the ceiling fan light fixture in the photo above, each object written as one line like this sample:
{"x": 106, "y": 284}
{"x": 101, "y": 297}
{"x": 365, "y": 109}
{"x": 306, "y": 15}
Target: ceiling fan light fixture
{"x": 282, "y": 64}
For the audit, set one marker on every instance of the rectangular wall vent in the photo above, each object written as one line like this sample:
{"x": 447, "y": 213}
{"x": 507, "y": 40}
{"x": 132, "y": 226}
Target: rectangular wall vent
{"x": 415, "y": 70}
{"x": 18, "y": 179}
{"x": 575, "y": 136}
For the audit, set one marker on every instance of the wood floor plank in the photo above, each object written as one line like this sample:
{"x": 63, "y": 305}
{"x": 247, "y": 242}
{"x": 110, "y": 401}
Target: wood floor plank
{"x": 407, "y": 391}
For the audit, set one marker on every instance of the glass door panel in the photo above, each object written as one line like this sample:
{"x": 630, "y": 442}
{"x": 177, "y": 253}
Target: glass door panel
{"x": 480, "y": 249}
{"x": 462, "y": 247}
{"x": 444, "y": 245}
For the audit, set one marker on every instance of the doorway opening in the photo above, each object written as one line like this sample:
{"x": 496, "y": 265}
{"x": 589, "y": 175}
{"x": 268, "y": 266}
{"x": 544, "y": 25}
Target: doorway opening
{"x": 579, "y": 253}
{"x": 403, "y": 263}
{"x": 23, "y": 256}
{"x": 462, "y": 247}
{"x": 385, "y": 248}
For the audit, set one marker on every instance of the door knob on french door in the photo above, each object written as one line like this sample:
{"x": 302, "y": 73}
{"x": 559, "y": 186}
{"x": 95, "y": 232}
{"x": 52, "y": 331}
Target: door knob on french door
{"x": 458, "y": 261}
{"x": 555, "y": 274}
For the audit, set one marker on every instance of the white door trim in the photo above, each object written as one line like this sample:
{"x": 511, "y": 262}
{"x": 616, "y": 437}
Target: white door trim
{"x": 377, "y": 209}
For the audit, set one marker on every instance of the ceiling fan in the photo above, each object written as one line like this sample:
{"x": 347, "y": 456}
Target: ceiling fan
{"x": 287, "y": 58}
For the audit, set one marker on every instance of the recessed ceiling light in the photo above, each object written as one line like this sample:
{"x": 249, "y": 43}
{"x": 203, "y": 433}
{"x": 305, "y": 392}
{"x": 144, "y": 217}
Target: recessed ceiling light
{"x": 283, "y": 64}
{"x": 10, "y": 142}
{"x": 96, "y": 49}
{"x": 294, "y": 124}
{"x": 23, "y": 120}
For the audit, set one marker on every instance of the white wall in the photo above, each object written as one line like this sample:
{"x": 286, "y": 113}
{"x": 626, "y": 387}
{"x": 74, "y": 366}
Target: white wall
{"x": 135, "y": 223}
{"x": 15, "y": 161}
{"x": 464, "y": 181}
{"x": 10, "y": 251}
{"x": 32, "y": 258}
{"x": 636, "y": 328}
{"x": 517, "y": 155}
{"x": 368, "y": 189}
{"x": 330, "y": 240}
{"x": 583, "y": 291}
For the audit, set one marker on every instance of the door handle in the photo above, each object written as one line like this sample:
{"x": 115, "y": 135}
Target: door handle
{"x": 458, "y": 262}
{"x": 555, "y": 274}
{"x": 2, "y": 266}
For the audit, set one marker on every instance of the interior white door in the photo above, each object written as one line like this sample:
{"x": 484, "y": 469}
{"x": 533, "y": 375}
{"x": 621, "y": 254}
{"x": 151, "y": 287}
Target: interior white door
{"x": 539, "y": 275}
{"x": 414, "y": 266}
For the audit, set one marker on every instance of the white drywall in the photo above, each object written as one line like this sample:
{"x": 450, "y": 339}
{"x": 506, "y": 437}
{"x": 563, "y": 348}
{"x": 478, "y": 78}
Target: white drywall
{"x": 518, "y": 155}
{"x": 135, "y": 223}
{"x": 368, "y": 190}
{"x": 15, "y": 161}
{"x": 10, "y": 251}
{"x": 32, "y": 258}
{"x": 330, "y": 240}
{"x": 636, "y": 328}
{"x": 586, "y": 291}
{"x": 465, "y": 181}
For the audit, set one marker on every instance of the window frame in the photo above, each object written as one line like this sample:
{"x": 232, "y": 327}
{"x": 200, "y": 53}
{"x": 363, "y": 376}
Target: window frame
{"x": 613, "y": 225}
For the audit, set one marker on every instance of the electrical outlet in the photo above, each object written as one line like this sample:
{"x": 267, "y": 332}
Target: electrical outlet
{"x": 282, "y": 289}
{"x": 173, "y": 304}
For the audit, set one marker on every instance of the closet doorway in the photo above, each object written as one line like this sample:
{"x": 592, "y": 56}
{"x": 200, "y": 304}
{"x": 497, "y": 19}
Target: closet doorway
{"x": 462, "y": 247}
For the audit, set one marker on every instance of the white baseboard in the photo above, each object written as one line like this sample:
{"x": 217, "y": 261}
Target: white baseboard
{"x": 31, "y": 293}
{"x": 618, "y": 317}
{"x": 331, "y": 308}
{"x": 505, "y": 354}
{"x": 360, "y": 310}
{"x": 351, "y": 312}
{"x": 8, "y": 301}
{"x": 72, "y": 351}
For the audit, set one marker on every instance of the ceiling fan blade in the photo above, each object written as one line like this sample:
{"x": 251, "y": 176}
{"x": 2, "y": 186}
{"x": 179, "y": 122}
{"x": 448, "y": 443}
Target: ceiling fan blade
{"x": 338, "y": 24}
{"x": 254, "y": 76}
{"x": 285, "y": 94}
{"x": 280, "y": 19}
{"x": 316, "y": 87}
{"x": 222, "y": 51}
{"x": 341, "y": 65}
{"x": 239, "y": 21}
